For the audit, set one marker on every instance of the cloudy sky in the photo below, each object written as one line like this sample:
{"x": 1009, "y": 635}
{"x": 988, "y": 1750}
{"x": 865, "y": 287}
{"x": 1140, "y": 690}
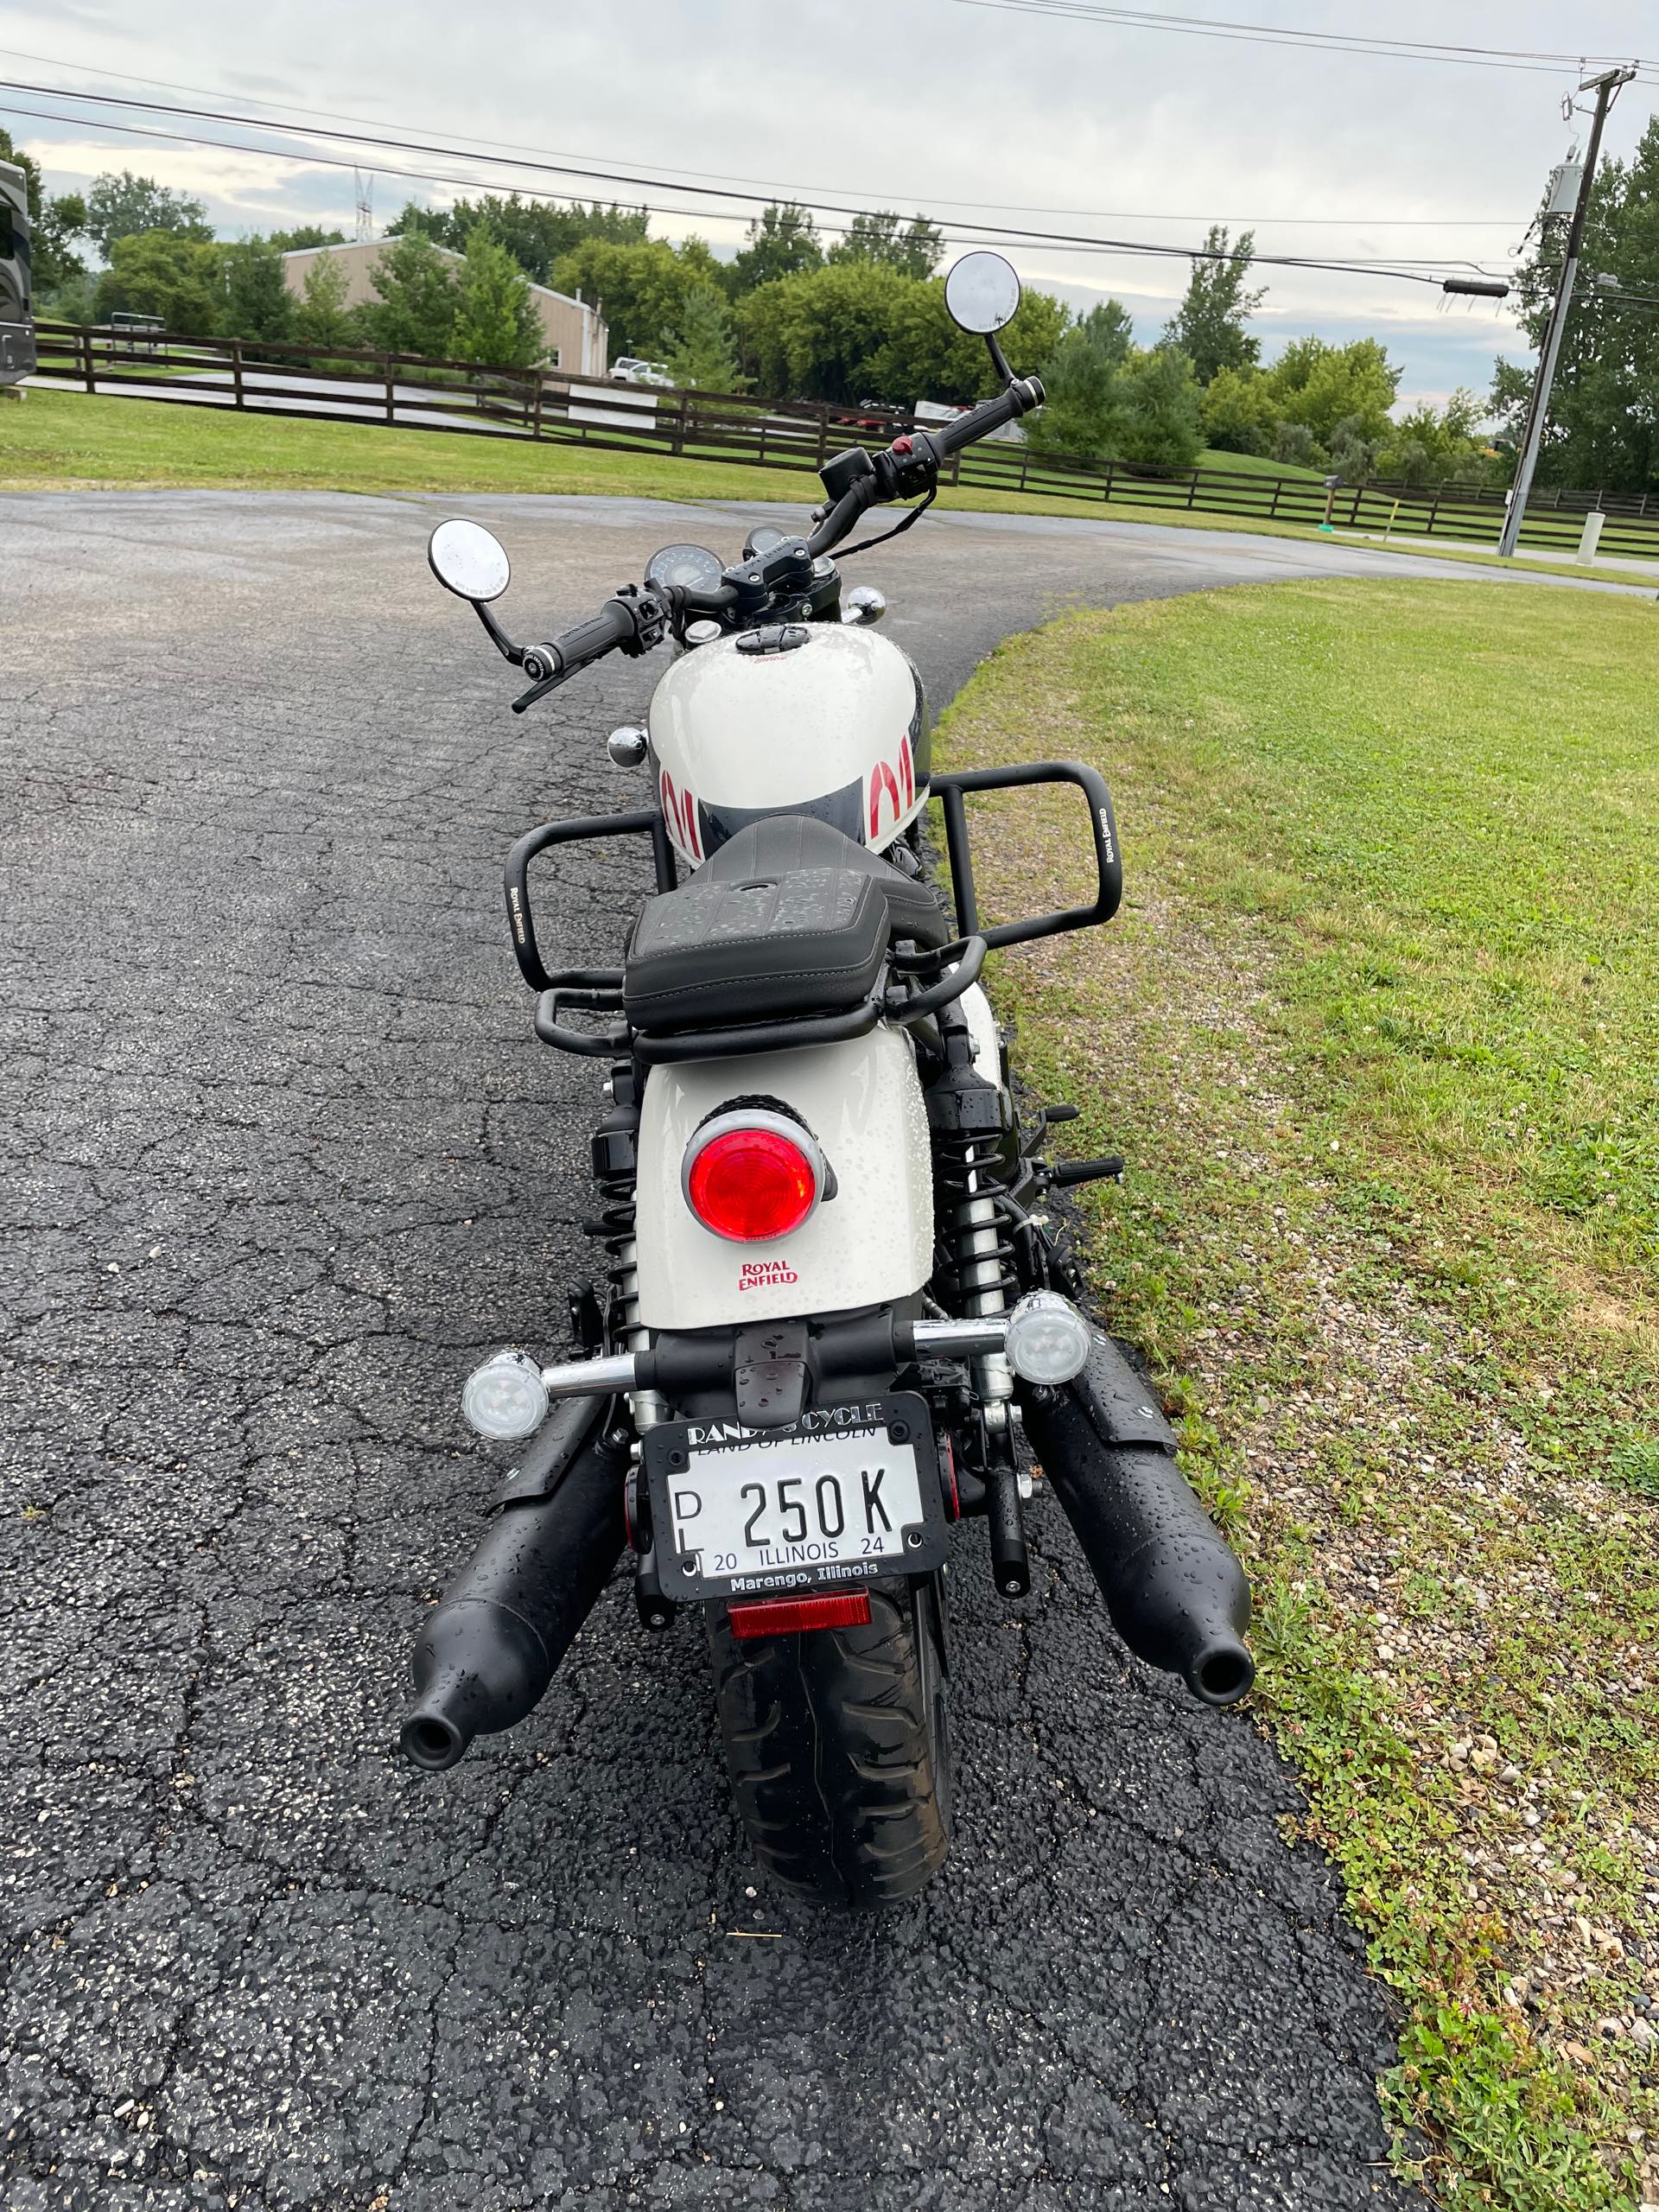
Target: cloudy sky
{"x": 1039, "y": 113}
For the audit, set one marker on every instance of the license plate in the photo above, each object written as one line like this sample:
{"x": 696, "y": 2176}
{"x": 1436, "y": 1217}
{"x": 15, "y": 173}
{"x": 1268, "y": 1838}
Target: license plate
{"x": 851, "y": 1492}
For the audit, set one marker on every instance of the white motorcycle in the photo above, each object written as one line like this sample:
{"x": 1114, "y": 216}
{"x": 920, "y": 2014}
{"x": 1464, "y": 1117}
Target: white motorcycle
{"x": 833, "y": 1314}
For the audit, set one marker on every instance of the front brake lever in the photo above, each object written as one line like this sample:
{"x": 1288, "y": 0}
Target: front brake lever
{"x": 540, "y": 690}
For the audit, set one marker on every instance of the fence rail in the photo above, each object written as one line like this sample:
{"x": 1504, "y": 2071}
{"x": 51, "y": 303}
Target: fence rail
{"x": 407, "y": 392}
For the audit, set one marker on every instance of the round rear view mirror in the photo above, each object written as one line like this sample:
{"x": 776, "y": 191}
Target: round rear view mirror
{"x": 982, "y": 293}
{"x": 467, "y": 561}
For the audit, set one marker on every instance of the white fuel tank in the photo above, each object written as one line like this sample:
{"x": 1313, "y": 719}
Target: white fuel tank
{"x": 810, "y": 718}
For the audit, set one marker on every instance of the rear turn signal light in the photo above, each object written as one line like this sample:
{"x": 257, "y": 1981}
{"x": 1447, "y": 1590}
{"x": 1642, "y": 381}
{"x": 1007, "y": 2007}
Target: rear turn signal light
{"x": 751, "y": 1617}
{"x": 752, "y": 1177}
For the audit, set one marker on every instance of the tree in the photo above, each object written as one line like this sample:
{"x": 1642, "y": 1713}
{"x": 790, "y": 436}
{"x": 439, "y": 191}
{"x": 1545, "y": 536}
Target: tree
{"x": 1237, "y": 411}
{"x": 126, "y": 206}
{"x": 53, "y": 223}
{"x": 782, "y": 241}
{"x": 860, "y": 330}
{"x": 921, "y": 354}
{"x": 495, "y": 317}
{"x": 304, "y": 239}
{"x": 322, "y": 320}
{"x": 1081, "y": 379}
{"x": 1604, "y": 418}
{"x": 813, "y": 335}
{"x": 641, "y": 289}
{"x": 256, "y": 302}
{"x": 537, "y": 233}
{"x": 1079, "y": 413}
{"x": 1317, "y": 384}
{"x": 703, "y": 355}
{"x": 417, "y": 299}
{"x": 167, "y": 274}
{"x": 1209, "y": 324}
{"x": 1157, "y": 403}
{"x": 914, "y": 251}
{"x": 1429, "y": 444}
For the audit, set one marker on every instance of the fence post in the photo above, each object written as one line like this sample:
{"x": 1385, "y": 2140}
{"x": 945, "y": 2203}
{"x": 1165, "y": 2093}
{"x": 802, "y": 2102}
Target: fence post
{"x": 391, "y": 414}
{"x": 760, "y": 453}
{"x": 1353, "y": 517}
{"x": 86, "y": 343}
{"x": 1025, "y": 463}
{"x": 1193, "y": 489}
{"x": 1278, "y": 486}
{"x": 536, "y": 423}
{"x": 1433, "y": 516}
{"x": 235, "y": 369}
{"x": 823, "y": 437}
{"x": 676, "y": 437}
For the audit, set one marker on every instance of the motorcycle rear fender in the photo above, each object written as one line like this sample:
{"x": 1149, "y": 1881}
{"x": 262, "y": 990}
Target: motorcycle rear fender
{"x": 870, "y": 1244}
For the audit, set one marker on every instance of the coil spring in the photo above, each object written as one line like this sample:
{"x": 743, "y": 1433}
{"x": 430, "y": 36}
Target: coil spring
{"x": 979, "y": 1251}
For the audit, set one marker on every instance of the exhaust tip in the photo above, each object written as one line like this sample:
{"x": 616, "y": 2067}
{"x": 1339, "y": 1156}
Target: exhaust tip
{"x": 432, "y": 1740}
{"x": 1222, "y": 1673}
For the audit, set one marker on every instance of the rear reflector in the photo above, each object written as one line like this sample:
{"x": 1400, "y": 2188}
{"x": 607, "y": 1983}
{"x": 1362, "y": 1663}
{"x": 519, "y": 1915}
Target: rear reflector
{"x": 793, "y": 1616}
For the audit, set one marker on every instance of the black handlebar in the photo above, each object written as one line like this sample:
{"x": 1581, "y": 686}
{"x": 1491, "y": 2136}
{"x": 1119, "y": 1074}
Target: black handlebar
{"x": 613, "y": 626}
{"x": 635, "y": 620}
{"x": 991, "y": 414}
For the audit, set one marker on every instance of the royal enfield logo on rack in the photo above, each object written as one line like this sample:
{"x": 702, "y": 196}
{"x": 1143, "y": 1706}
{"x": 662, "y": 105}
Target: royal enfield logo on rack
{"x": 759, "y": 1275}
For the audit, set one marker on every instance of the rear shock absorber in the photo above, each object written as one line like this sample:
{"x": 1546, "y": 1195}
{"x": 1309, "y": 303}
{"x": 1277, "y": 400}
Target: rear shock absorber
{"x": 965, "y": 1114}
{"x": 615, "y": 1159}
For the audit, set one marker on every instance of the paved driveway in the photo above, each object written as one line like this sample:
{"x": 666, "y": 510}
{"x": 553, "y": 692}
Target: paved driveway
{"x": 283, "y": 1158}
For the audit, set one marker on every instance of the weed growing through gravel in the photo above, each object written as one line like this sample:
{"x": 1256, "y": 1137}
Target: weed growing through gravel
{"x": 1378, "y": 1029}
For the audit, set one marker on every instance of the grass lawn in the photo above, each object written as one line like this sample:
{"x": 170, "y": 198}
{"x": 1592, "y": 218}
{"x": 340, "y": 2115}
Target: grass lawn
{"x": 1253, "y": 464}
{"x": 1378, "y": 1030}
{"x": 69, "y": 439}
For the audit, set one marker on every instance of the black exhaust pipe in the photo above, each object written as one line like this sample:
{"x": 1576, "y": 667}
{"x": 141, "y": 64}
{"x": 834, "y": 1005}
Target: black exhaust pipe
{"x": 1176, "y": 1594}
{"x": 487, "y": 1653}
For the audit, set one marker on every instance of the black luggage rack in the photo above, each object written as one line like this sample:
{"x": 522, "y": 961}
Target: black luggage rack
{"x": 952, "y": 968}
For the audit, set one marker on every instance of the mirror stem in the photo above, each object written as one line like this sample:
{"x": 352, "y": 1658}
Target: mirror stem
{"x": 998, "y": 360}
{"x": 497, "y": 636}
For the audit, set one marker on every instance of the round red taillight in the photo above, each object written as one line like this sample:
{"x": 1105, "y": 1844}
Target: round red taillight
{"x": 752, "y": 1182}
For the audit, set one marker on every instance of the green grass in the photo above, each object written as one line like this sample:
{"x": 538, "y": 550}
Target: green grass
{"x": 1253, "y": 464}
{"x": 1378, "y": 1030}
{"x": 64, "y": 439}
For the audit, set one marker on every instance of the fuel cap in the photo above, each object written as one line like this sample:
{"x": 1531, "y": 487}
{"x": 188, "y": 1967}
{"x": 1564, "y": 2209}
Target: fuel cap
{"x": 776, "y": 638}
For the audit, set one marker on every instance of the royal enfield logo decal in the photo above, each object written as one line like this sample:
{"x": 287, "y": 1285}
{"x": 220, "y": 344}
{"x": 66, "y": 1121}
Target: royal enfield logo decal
{"x": 760, "y": 1274}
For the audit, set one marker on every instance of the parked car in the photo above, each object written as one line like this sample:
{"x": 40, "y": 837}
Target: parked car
{"x": 628, "y": 368}
{"x": 16, "y": 324}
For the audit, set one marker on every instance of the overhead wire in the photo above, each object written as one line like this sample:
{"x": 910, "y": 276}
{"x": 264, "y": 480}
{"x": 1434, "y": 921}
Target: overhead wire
{"x": 1539, "y": 62}
{"x": 880, "y": 200}
{"x": 1405, "y": 268}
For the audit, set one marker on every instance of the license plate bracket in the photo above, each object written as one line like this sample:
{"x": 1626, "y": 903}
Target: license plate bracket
{"x": 849, "y": 1493}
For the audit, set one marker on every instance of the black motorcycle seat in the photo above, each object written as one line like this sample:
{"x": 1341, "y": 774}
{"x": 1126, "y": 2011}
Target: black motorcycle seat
{"x": 789, "y": 917}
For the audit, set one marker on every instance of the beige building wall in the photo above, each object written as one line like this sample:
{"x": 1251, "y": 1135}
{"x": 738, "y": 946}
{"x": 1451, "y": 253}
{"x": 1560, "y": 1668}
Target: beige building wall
{"x": 577, "y": 340}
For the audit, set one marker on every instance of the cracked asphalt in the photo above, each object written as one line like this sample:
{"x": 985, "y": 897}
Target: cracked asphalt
{"x": 282, "y": 1160}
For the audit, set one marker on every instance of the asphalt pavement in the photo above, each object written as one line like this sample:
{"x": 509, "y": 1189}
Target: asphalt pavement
{"x": 283, "y": 1158}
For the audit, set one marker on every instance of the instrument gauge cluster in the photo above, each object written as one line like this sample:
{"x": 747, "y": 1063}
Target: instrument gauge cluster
{"x": 690, "y": 567}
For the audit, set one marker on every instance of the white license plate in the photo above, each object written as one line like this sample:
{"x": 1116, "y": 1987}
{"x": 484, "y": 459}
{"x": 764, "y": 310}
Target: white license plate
{"x": 737, "y": 1512}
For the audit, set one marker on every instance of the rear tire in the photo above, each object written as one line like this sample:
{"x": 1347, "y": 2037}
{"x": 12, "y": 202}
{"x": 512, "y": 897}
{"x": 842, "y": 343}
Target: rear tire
{"x": 837, "y": 1744}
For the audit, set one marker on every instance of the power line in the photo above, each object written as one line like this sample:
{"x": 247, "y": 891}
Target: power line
{"x": 1015, "y": 234}
{"x": 719, "y": 176}
{"x": 1540, "y": 62}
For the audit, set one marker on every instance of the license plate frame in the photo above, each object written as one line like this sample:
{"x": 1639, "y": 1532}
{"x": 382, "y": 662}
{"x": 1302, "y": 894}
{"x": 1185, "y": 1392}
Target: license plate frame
{"x": 875, "y": 1438}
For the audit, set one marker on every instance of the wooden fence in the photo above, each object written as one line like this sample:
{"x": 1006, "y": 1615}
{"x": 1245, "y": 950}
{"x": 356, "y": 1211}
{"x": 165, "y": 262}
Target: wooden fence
{"x": 407, "y": 391}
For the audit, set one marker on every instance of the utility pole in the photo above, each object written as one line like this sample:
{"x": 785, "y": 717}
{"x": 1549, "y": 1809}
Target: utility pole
{"x": 1606, "y": 88}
